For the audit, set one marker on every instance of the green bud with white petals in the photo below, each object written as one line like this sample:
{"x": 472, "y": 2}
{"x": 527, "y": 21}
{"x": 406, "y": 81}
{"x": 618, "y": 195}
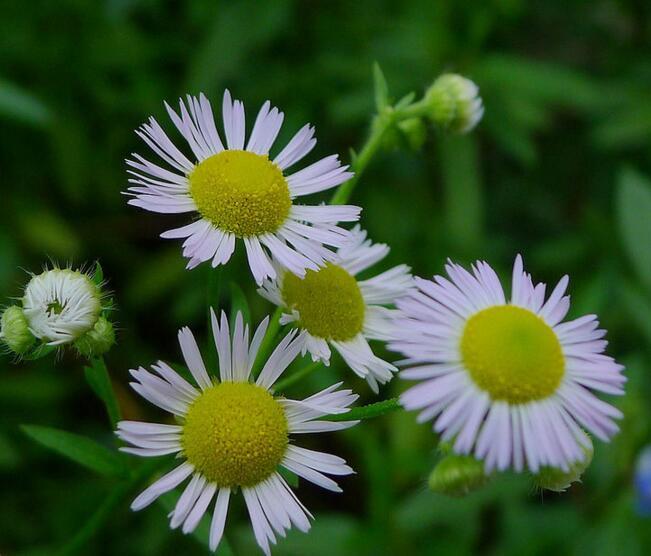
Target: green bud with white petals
{"x": 98, "y": 340}
{"x": 14, "y": 331}
{"x": 558, "y": 480}
{"x": 454, "y": 103}
{"x": 60, "y": 307}
{"x": 457, "y": 476}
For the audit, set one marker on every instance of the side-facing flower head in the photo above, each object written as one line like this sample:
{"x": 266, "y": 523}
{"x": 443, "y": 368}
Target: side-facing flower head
{"x": 454, "y": 103}
{"x": 507, "y": 381}
{"x": 333, "y": 308}
{"x": 234, "y": 433}
{"x": 62, "y": 306}
{"x": 14, "y": 330}
{"x": 237, "y": 190}
{"x": 558, "y": 480}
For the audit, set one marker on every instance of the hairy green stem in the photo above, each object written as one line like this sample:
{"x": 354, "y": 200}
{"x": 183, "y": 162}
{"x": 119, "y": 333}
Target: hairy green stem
{"x": 367, "y": 411}
{"x": 380, "y": 125}
{"x": 297, "y": 376}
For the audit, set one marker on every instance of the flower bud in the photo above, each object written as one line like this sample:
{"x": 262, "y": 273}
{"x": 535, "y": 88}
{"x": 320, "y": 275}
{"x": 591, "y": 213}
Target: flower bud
{"x": 98, "y": 340}
{"x": 454, "y": 103}
{"x": 410, "y": 133}
{"x": 414, "y": 132}
{"x": 457, "y": 475}
{"x": 558, "y": 480}
{"x": 61, "y": 305}
{"x": 14, "y": 330}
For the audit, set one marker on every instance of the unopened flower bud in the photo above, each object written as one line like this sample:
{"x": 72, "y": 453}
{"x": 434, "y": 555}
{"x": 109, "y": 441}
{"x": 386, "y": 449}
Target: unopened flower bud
{"x": 61, "y": 305}
{"x": 414, "y": 132}
{"x": 457, "y": 475}
{"x": 558, "y": 480}
{"x": 454, "y": 103}
{"x": 14, "y": 330}
{"x": 410, "y": 133}
{"x": 98, "y": 340}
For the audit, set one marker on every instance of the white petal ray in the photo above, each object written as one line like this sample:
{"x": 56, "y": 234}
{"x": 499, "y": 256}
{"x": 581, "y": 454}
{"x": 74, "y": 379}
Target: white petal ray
{"x": 219, "y": 517}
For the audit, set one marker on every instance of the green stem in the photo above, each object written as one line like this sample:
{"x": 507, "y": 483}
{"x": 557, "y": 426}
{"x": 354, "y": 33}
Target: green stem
{"x": 367, "y": 411}
{"x": 381, "y": 124}
{"x": 282, "y": 385}
{"x": 268, "y": 344}
{"x": 99, "y": 518}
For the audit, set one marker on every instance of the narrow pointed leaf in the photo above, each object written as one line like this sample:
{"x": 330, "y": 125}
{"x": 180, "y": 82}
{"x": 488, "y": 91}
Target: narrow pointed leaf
{"x": 380, "y": 87}
{"x": 98, "y": 379}
{"x": 80, "y": 449}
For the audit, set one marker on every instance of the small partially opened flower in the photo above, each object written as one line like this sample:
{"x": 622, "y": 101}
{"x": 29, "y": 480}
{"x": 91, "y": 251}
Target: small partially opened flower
{"x": 233, "y": 433}
{"x": 507, "y": 381}
{"x": 238, "y": 190}
{"x": 333, "y": 308}
{"x": 60, "y": 306}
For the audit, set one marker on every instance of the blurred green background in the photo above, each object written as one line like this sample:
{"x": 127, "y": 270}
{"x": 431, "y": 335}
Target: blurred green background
{"x": 556, "y": 171}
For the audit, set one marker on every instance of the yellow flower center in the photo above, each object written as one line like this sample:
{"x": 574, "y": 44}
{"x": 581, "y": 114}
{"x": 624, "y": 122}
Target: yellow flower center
{"x": 329, "y": 302}
{"x": 512, "y": 354}
{"x": 235, "y": 434}
{"x": 241, "y": 192}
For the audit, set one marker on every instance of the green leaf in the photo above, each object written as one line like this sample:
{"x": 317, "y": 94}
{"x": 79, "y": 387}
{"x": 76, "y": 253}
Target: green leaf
{"x": 541, "y": 81}
{"x": 380, "y": 87}
{"x": 239, "y": 304}
{"x": 39, "y": 352}
{"x": 634, "y": 219}
{"x": 98, "y": 274}
{"x": 99, "y": 380}
{"x": 47, "y": 232}
{"x": 94, "y": 522}
{"x": 405, "y": 101}
{"x": 79, "y": 449}
{"x": 21, "y": 105}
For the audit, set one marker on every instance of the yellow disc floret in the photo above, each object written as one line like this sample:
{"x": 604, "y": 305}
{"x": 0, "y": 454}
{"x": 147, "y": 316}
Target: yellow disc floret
{"x": 241, "y": 192}
{"x": 235, "y": 434}
{"x": 329, "y": 302}
{"x": 512, "y": 354}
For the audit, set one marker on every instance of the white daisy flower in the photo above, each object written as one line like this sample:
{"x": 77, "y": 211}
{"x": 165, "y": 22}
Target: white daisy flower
{"x": 233, "y": 433}
{"x": 61, "y": 305}
{"x": 238, "y": 191}
{"x": 507, "y": 381}
{"x": 333, "y": 308}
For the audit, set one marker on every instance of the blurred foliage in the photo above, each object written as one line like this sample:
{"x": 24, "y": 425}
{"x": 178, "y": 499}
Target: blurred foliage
{"x": 558, "y": 170}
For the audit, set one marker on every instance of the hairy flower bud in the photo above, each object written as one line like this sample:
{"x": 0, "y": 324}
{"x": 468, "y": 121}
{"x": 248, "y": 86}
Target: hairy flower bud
{"x": 457, "y": 475}
{"x": 558, "y": 480}
{"x": 98, "y": 340}
{"x": 59, "y": 307}
{"x": 14, "y": 330}
{"x": 454, "y": 103}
